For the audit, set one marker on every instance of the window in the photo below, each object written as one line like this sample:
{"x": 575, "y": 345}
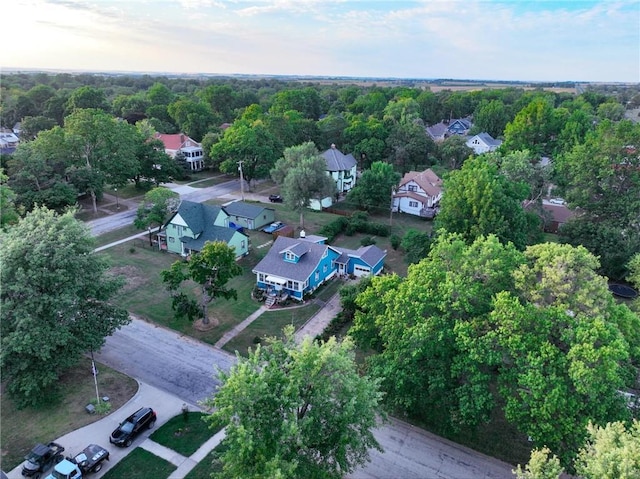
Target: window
{"x": 412, "y": 188}
{"x": 289, "y": 256}
{"x": 324, "y": 268}
{"x": 413, "y": 204}
{"x": 171, "y": 239}
{"x": 317, "y": 276}
{"x": 242, "y": 244}
{"x": 261, "y": 277}
{"x": 296, "y": 286}
{"x": 289, "y": 284}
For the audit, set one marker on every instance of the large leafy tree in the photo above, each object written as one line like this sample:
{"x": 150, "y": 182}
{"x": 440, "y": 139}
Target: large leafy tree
{"x": 490, "y": 116}
{"x": 409, "y": 147}
{"x": 103, "y": 150}
{"x": 56, "y": 302}
{"x": 296, "y": 411}
{"x": 87, "y": 97}
{"x": 602, "y": 177}
{"x": 535, "y": 128}
{"x": 251, "y": 142}
{"x": 157, "y": 205}
{"x": 302, "y": 175}
{"x": 39, "y": 172}
{"x": 421, "y": 328}
{"x": 211, "y": 268}
{"x": 192, "y": 117}
{"x": 374, "y": 188}
{"x": 478, "y": 201}
{"x": 8, "y": 211}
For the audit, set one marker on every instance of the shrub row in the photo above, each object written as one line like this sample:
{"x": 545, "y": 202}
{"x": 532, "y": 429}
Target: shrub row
{"x": 358, "y": 222}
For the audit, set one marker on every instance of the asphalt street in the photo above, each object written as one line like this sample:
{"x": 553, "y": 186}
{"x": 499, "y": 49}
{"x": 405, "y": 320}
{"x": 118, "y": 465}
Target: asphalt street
{"x": 185, "y": 368}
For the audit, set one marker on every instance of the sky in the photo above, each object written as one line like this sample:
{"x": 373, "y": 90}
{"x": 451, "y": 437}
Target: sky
{"x": 514, "y": 40}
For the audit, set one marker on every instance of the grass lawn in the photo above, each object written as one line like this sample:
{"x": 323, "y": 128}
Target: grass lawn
{"x": 208, "y": 465}
{"x": 145, "y": 296}
{"x": 23, "y": 428}
{"x": 141, "y": 464}
{"x": 185, "y": 436}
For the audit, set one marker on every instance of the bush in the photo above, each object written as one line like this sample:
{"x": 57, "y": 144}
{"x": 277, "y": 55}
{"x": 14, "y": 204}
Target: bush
{"x": 367, "y": 240}
{"x": 395, "y": 241}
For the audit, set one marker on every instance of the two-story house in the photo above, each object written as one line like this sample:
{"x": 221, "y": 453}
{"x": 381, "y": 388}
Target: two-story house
{"x": 342, "y": 169}
{"x": 294, "y": 267}
{"x": 196, "y": 223}
{"x": 443, "y": 130}
{"x": 418, "y": 193}
{"x": 181, "y": 143}
{"x": 483, "y": 143}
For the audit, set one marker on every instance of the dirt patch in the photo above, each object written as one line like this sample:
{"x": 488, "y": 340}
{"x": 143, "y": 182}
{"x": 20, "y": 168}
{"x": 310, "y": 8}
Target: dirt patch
{"x": 132, "y": 276}
{"x": 200, "y": 326}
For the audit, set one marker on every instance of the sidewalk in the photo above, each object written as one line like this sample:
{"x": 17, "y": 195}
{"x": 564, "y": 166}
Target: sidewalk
{"x": 164, "y": 404}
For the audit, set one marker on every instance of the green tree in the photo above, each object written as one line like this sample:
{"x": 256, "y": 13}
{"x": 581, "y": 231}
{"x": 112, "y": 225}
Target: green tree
{"x": 416, "y": 245}
{"x": 478, "y": 201}
{"x": 250, "y": 142}
{"x": 610, "y": 452}
{"x": 542, "y": 465}
{"x": 602, "y": 177}
{"x": 56, "y": 302}
{"x": 8, "y": 211}
{"x": 534, "y": 128}
{"x": 453, "y": 152}
{"x": 302, "y": 176}
{"x": 211, "y": 268}
{"x": 192, "y": 117}
{"x": 490, "y": 116}
{"x": 409, "y": 146}
{"x": 374, "y": 187}
{"x": 156, "y": 207}
{"x": 296, "y": 411}
{"x": 32, "y": 125}
{"x": 87, "y": 97}
{"x": 103, "y": 148}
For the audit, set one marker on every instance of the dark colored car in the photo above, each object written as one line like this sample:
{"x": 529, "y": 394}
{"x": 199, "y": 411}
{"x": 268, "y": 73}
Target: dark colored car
{"x": 275, "y": 198}
{"x": 41, "y": 458}
{"x": 126, "y": 432}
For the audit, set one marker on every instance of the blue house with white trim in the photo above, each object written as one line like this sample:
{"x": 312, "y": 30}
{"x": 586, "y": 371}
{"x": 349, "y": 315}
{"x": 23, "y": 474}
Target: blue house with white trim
{"x": 294, "y": 267}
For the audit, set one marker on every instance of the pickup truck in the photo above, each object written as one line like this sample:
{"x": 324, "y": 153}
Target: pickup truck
{"x": 89, "y": 460}
{"x": 273, "y": 227}
{"x": 41, "y": 458}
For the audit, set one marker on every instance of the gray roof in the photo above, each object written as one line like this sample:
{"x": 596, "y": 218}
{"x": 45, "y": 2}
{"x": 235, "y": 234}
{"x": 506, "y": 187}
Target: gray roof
{"x": 274, "y": 264}
{"x": 245, "y": 210}
{"x": 488, "y": 139}
{"x": 370, "y": 254}
{"x": 197, "y": 215}
{"x": 211, "y": 233}
{"x": 338, "y": 161}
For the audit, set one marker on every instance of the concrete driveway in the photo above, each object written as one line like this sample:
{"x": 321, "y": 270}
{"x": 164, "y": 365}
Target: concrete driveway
{"x": 164, "y": 404}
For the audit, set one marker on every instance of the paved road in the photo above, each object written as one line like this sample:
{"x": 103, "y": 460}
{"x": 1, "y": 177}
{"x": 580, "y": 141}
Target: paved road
{"x": 120, "y": 220}
{"x": 185, "y": 367}
{"x": 166, "y": 360}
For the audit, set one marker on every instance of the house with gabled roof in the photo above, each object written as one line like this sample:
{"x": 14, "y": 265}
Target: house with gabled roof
{"x": 247, "y": 215}
{"x": 194, "y": 224}
{"x": 443, "y": 130}
{"x": 294, "y": 267}
{"x": 418, "y": 193}
{"x": 483, "y": 143}
{"x": 342, "y": 169}
{"x": 181, "y": 143}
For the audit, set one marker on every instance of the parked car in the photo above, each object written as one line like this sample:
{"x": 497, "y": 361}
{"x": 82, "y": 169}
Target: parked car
{"x": 126, "y": 432}
{"x": 41, "y": 458}
{"x": 78, "y": 467}
{"x": 273, "y": 227}
{"x": 275, "y": 198}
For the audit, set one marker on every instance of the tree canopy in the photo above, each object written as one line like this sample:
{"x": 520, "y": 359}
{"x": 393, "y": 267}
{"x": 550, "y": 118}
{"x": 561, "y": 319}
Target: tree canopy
{"x": 56, "y": 302}
{"x": 296, "y": 411}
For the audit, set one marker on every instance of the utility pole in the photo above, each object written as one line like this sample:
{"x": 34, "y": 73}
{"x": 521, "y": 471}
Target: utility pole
{"x": 241, "y": 179}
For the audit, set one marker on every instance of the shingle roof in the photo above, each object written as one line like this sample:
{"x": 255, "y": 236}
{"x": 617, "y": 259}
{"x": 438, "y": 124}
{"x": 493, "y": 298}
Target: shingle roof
{"x": 246, "y": 210}
{"x": 211, "y": 233}
{"x": 427, "y": 180}
{"x": 176, "y": 141}
{"x": 370, "y": 254}
{"x": 274, "y": 264}
{"x": 197, "y": 215}
{"x": 488, "y": 139}
{"x": 338, "y": 161}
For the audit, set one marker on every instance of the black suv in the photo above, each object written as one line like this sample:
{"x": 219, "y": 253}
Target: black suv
{"x": 143, "y": 418}
{"x": 275, "y": 198}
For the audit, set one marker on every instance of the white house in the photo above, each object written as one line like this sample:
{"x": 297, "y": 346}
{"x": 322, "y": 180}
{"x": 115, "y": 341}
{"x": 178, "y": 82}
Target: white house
{"x": 191, "y": 149}
{"x": 483, "y": 143}
{"x": 342, "y": 169}
{"x": 418, "y": 193}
